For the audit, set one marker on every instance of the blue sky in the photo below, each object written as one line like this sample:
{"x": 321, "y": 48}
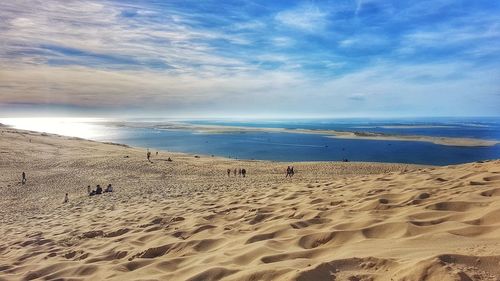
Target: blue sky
{"x": 250, "y": 58}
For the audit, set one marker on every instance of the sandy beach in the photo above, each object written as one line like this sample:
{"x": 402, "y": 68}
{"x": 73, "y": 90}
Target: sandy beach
{"x": 186, "y": 219}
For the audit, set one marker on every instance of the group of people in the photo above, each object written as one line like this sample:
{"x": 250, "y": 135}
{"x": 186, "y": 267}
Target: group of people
{"x": 240, "y": 172}
{"x": 98, "y": 190}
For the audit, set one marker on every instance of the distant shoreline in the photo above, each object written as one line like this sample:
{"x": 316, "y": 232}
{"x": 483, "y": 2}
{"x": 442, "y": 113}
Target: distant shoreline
{"x": 52, "y": 136}
{"x": 360, "y": 135}
{"x": 335, "y": 134}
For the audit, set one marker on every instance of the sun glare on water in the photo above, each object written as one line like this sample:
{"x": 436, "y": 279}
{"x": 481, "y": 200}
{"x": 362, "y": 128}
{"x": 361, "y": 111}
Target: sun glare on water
{"x": 73, "y": 127}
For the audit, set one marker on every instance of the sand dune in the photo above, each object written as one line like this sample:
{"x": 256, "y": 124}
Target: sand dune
{"x": 187, "y": 220}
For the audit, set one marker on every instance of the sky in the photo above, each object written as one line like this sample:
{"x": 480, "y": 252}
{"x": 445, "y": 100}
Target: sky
{"x": 192, "y": 58}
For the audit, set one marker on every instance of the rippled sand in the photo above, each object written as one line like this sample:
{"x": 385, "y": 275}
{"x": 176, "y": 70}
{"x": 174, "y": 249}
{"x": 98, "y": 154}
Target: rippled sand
{"x": 187, "y": 220}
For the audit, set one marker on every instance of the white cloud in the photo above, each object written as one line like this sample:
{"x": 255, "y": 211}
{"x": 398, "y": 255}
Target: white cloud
{"x": 98, "y": 29}
{"x": 282, "y": 41}
{"x": 381, "y": 89}
{"x": 364, "y": 41}
{"x": 118, "y": 42}
{"x": 83, "y": 86}
{"x": 471, "y": 40}
{"x": 307, "y": 17}
{"x": 418, "y": 89}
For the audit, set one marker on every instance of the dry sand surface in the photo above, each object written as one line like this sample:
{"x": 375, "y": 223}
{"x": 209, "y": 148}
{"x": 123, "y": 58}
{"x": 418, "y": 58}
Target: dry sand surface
{"x": 187, "y": 220}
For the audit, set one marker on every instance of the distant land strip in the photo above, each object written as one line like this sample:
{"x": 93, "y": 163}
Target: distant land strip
{"x": 218, "y": 129}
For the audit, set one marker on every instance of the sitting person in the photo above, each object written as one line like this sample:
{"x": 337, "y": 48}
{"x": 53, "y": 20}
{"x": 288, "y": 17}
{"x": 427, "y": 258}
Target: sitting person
{"x": 109, "y": 188}
{"x": 98, "y": 189}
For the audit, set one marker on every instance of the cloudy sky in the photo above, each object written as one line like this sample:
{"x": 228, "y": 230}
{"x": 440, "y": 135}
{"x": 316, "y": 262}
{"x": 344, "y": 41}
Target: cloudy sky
{"x": 217, "y": 58}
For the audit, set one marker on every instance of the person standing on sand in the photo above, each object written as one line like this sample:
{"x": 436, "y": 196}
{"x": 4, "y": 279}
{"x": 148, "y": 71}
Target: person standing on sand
{"x": 287, "y": 171}
{"x": 23, "y": 181}
{"x": 243, "y": 172}
{"x": 291, "y": 172}
{"x": 239, "y": 172}
{"x": 88, "y": 189}
{"x": 235, "y": 171}
{"x": 66, "y": 199}
{"x": 148, "y": 155}
{"x": 228, "y": 172}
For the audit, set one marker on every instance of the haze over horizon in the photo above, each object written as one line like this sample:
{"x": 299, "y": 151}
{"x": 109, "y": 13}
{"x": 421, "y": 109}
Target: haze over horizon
{"x": 250, "y": 58}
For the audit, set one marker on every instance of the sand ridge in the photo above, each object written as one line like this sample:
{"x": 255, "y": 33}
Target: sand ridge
{"x": 186, "y": 220}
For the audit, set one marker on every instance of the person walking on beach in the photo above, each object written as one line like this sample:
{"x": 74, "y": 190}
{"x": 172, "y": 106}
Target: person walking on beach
{"x": 291, "y": 172}
{"x": 23, "y": 181}
{"x": 228, "y": 172}
{"x": 287, "y": 171}
{"x": 148, "y": 155}
{"x": 243, "y": 172}
{"x": 66, "y": 199}
{"x": 239, "y": 172}
{"x": 235, "y": 171}
{"x": 88, "y": 189}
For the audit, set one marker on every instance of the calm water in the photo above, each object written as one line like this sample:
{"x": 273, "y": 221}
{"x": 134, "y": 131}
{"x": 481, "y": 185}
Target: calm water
{"x": 303, "y": 147}
{"x": 482, "y": 128}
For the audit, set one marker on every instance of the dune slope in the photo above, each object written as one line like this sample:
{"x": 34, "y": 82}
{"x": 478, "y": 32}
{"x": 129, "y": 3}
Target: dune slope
{"x": 187, "y": 220}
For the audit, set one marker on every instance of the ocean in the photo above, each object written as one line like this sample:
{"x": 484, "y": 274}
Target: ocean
{"x": 290, "y": 147}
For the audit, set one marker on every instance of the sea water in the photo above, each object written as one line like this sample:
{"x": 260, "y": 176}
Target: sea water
{"x": 280, "y": 146}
